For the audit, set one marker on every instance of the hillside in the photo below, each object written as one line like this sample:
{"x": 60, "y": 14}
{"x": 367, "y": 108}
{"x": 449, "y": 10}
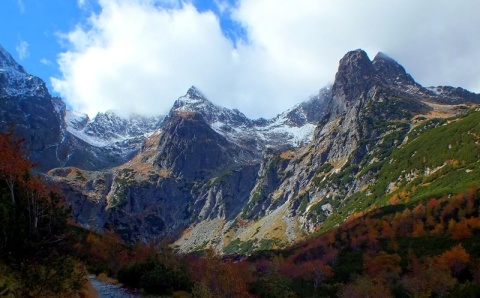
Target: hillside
{"x": 427, "y": 248}
{"x": 438, "y": 157}
{"x": 206, "y": 176}
{"x": 369, "y": 186}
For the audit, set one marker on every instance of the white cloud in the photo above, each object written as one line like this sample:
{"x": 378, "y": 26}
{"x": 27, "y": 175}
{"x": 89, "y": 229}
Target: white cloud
{"x": 22, "y": 49}
{"x": 141, "y": 59}
{"x": 81, "y": 3}
{"x": 21, "y": 6}
{"x": 45, "y": 61}
{"x": 434, "y": 40}
{"x": 140, "y": 55}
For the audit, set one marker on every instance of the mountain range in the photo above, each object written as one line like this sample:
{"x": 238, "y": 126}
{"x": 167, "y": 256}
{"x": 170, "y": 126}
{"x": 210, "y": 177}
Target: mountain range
{"x": 207, "y": 176}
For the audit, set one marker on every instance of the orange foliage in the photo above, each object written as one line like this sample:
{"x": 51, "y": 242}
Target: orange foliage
{"x": 386, "y": 231}
{"x": 428, "y": 278}
{"x": 460, "y": 230}
{"x": 419, "y": 212}
{"x": 107, "y": 249}
{"x": 395, "y": 199}
{"x": 216, "y": 279}
{"x": 456, "y": 259}
{"x": 382, "y": 266}
{"x": 418, "y": 229}
{"x": 473, "y": 222}
{"x": 439, "y": 228}
{"x": 13, "y": 165}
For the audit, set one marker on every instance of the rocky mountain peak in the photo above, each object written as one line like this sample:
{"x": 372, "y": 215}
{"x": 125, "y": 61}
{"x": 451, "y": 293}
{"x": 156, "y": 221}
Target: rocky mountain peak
{"x": 193, "y": 101}
{"x": 352, "y": 82}
{"x": 355, "y": 66}
{"x": 189, "y": 147}
{"x": 454, "y": 95}
{"x": 194, "y": 93}
{"x": 391, "y": 71}
{"x": 15, "y": 81}
{"x": 8, "y": 63}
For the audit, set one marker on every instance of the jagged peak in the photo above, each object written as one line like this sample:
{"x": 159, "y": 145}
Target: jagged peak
{"x": 382, "y": 55}
{"x": 192, "y": 100}
{"x": 355, "y": 57}
{"x": 7, "y": 62}
{"x": 389, "y": 69}
{"x": 109, "y": 114}
{"x": 354, "y": 64}
{"x": 194, "y": 93}
{"x": 355, "y": 72}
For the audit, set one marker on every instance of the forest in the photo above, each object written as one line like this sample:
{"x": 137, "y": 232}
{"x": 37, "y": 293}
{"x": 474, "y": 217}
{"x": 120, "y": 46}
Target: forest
{"x": 426, "y": 248}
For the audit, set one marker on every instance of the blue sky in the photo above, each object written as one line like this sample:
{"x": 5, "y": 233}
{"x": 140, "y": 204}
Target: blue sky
{"x": 259, "y": 56}
{"x": 30, "y": 29}
{"x": 35, "y": 25}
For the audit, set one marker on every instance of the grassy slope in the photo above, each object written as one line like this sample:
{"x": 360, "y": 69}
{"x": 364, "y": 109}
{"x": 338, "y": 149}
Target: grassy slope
{"x": 439, "y": 157}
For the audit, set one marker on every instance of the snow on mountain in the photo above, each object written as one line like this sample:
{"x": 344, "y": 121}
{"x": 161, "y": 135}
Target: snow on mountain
{"x": 280, "y": 129}
{"x": 16, "y": 81}
{"x": 108, "y": 129}
{"x": 289, "y": 129}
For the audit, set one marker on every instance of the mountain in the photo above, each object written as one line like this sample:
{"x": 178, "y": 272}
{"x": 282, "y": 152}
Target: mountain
{"x": 107, "y": 140}
{"x": 207, "y": 176}
{"x": 26, "y": 104}
{"x": 289, "y": 129}
{"x": 55, "y": 137}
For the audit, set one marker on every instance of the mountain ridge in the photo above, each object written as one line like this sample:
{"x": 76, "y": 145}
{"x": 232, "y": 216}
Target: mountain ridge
{"x": 207, "y": 176}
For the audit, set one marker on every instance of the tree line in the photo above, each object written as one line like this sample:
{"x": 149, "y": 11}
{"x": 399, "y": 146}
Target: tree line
{"x": 405, "y": 249}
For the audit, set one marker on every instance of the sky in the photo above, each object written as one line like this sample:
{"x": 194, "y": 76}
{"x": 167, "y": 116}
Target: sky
{"x": 259, "y": 56}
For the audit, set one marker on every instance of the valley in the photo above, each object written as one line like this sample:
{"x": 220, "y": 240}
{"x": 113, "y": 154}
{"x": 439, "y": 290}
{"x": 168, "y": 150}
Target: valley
{"x": 335, "y": 179}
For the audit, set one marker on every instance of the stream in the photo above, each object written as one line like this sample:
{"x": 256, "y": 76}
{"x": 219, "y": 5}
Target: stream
{"x": 106, "y": 290}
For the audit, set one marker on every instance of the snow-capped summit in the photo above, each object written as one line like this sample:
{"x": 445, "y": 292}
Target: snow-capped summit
{"x": 195, "y": 101}
{"x": 289, "y": 129}
{"x": 194, "y": 93}
{"x": 7, "y": 63}
{"x": 15, "y": 81}
{"x": 108, "y": 129}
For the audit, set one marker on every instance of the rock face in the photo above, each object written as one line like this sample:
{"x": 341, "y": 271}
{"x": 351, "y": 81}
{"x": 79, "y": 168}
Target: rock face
{"x": 207, "y": 176}
{"x": 106, "y": 141}
{"x": 289, "y": 129}
{"x": 56, "y": 137}
{"x": 26, "y": 104}
{"x": 191, "y": 149}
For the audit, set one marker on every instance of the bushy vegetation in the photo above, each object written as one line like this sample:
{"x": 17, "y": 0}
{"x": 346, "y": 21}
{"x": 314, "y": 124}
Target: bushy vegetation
{"x": 440, "y": 157}
{"x": 428, "y": 248}
{"x": 415, "y": 233}
{"x": 35, "y": 251}
{"x": 155, "y": 277}
{"x": 424, "y": 249}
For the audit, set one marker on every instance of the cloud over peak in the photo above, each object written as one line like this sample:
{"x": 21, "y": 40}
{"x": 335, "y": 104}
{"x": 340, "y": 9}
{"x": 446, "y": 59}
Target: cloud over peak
{"x": 140, "y": 55}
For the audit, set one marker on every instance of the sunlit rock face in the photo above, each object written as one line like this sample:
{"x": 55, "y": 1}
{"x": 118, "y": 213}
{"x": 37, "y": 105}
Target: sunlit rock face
{"x": 207, "y": 176}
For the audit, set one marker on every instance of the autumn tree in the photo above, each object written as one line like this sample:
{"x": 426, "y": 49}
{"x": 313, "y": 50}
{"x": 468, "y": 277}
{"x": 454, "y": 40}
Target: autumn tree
{"x": 418, "y": 228}
{"x": 427, "y": 278}
{"x": 13, "y": 165}
{"x": 214, "y": 278}
{"x": 34, "y": 231}
{"x": 382, "y": 267}
{"x": 460, "y": 230}
{"x": 457, "y": 259}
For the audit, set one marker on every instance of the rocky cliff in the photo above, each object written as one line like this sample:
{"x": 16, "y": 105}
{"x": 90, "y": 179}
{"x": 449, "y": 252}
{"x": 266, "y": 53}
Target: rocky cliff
{"x": 55, "y": 137}
{"x": 207, "y": 176}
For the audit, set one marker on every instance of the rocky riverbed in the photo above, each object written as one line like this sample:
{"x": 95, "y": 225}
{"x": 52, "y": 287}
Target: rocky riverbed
{"x": 105, "y": 290}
